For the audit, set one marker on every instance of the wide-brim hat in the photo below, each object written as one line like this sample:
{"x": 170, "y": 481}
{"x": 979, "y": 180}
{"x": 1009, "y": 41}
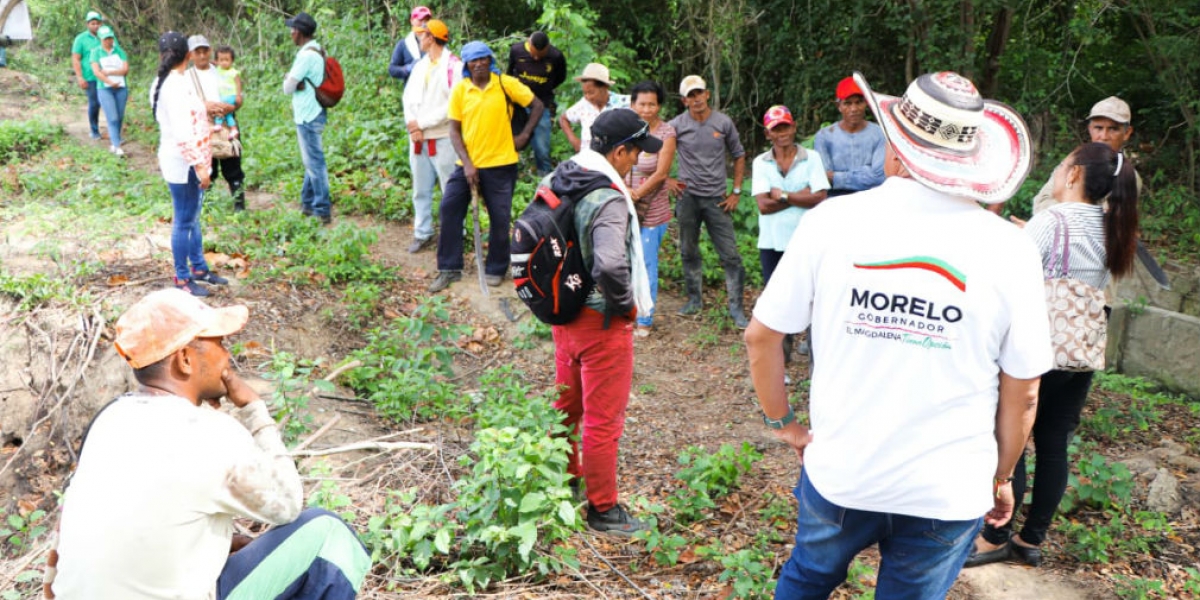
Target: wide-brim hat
{"x": 952, "y": 140}
{"x": 595, "y": 72}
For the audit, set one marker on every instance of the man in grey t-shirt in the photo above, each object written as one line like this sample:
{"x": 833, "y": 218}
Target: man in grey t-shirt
{"x": 703, "y": 137}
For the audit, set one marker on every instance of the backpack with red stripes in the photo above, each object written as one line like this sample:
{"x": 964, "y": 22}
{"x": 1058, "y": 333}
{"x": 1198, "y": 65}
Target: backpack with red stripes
{"x": 547, "y": 264}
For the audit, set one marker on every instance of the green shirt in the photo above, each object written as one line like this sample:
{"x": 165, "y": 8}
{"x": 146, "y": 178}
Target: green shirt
{"x": 107, "y": 60}
{"x": 309, "y": 65}
{"x": 83, "y": 46}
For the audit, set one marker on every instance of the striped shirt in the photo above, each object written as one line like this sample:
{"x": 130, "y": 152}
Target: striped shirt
{"x": 655, "y": 209}
{"x": 1087, "y": 256}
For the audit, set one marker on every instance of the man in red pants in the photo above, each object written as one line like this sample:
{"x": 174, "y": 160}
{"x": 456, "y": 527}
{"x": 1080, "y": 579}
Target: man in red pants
{"x": 593, "y": 354}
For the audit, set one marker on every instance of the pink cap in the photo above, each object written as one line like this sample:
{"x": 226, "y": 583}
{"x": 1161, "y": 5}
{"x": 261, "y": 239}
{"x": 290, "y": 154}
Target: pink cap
{"x": 421, "y": 12}
{"x": 777, "y": 114}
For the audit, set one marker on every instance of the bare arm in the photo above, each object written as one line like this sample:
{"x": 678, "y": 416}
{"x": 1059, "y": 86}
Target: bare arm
{"x": 739, "y": 173}
{"x": 1014, "y": 418}
{"x": 805, "y": 198}
{"x": 77, "y": 64}
{"x": 666, "y": 156}
{"x": 239, "y": 93}
{"x": 565, "y": 126}
{"x": 460, "y": 148}
{"x": 765, "y": 348}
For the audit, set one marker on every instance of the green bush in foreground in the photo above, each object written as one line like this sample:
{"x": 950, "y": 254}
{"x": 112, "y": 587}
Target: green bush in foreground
{"x": 20, "y": 140}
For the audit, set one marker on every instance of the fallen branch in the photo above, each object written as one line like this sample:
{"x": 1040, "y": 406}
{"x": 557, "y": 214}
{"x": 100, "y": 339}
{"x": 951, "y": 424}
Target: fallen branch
{"x": 377, "y": 446}
{"x": 614, "y": 569}
{"x": 354, "y": 364}
{"x": 318, "y": 433}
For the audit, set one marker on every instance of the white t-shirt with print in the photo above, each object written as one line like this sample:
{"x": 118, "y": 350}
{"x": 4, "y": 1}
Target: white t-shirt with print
{"x": 917, "y": 301}
{"x": 585, "y": 113}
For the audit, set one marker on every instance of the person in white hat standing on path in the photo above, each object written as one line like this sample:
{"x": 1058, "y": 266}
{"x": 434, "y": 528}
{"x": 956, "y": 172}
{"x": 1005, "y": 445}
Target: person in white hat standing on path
{"x": 942, "y": 304}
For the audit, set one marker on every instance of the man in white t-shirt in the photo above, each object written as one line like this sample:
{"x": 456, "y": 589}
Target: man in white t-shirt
{"x": 597, "y": 98}
{"x": 930, "y": 331}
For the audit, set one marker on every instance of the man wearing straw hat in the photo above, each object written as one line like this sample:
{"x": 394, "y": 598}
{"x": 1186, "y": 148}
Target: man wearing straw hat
{"x": 931, "y": 345}
{"x": 597, "y": 98}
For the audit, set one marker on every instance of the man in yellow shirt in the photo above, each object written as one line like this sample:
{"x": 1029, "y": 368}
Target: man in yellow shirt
{"x": 481, "y": 133}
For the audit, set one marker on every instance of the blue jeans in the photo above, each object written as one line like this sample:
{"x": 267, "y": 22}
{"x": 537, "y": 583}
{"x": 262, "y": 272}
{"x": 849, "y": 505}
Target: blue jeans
{"x": 652, "y": 238}
{"x": 187, "y": 246}
{"x": 314, "y": 194}
{"x": 496, "y": 189}
{"x": 427, "y": 170}
{"x": 94, "y": 108}
{"x": 920, "y": 558}
{"x": 541, "y": 144}
{"x": 113, "y": 102}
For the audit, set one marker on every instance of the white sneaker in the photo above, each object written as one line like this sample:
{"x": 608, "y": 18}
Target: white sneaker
{"x": 118, "y": 151}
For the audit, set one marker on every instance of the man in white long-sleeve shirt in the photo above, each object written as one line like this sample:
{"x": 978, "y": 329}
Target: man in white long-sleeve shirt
{"x": 426, "y": 101}
{"x": 149, "y": 512}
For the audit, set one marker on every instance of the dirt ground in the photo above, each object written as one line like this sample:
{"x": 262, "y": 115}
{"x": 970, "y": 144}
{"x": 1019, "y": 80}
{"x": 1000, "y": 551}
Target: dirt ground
{"x": 691, "y": 387}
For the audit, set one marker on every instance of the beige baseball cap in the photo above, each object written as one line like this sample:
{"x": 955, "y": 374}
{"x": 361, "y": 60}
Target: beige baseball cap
{"x": 690, "y": 83}
{"x": 165, "y": 321}
{"x": 1113, "y": 108}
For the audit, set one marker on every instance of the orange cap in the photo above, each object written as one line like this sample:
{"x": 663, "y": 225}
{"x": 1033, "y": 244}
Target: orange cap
{"x": 165, "y": 321}
{"x": 437, "y": 29}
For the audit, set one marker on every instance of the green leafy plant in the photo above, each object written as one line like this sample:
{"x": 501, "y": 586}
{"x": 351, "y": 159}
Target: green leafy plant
{"x": 749, "y": 571}
{"x": 19, "y": 532}
{"x": 708, "y": 476}
{"x": 293, "y": 379}
{"x": 406, "y": 365}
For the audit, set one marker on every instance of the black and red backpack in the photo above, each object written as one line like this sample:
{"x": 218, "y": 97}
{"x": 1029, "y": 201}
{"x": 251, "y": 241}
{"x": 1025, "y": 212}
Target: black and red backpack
{"x": 547, "y": 264}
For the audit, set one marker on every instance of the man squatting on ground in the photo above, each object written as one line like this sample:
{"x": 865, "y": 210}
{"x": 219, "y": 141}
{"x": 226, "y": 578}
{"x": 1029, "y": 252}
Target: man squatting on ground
{"x": 943, "y": 304}
{"x": 149, "y": 512}
{"x": 593, "y": 355}
{"x": 431, "y": 156}
{"x": 703, "y": 137}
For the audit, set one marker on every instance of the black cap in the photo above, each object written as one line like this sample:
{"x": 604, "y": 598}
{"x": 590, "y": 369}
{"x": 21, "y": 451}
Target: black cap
{"x": 172, "y": 41}
{"x": 303, "y": 22}
{"x": 621, "y": 126}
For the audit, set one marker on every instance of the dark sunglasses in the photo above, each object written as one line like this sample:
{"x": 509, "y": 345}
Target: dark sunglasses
{"x": 639, "y": 135}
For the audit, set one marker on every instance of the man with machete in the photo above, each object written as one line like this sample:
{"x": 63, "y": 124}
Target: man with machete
{"x": 486, "y": 148}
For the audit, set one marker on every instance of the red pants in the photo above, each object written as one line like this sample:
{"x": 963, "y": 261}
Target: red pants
{"x": 594, "y": 372}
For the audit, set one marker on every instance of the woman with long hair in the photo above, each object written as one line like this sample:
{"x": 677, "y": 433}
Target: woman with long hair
{"x": 185, "y": 158}
{"x": 110, "y": 65}
{"x": 1097, "y": 188}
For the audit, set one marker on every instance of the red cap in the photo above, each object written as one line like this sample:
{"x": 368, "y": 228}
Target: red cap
{"x": 847, "y": 88}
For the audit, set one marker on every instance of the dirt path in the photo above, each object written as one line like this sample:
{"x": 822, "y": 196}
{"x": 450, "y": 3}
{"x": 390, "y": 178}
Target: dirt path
{"x": 691, "y": 384}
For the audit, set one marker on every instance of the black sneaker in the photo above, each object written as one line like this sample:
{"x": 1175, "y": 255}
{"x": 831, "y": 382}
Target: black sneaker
{"x": 191, "y": 287}
{"x": 209, "y": 277}
{"x": 614, "y": 521}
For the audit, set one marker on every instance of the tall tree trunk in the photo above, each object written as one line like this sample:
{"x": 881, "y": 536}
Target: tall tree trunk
{"x": 989, "y": 84}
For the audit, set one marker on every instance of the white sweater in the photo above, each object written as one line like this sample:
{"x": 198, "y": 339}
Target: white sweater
{"x": 427, "y": 93}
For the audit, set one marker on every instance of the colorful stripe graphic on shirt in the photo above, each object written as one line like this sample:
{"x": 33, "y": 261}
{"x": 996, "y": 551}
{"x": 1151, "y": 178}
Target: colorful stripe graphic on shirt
{"x": 927, "y": 263}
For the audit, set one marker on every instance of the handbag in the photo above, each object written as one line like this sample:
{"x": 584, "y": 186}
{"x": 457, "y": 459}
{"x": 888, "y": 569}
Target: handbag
{"x": 1078, "y": 324}
{"x": 222, "y": 147}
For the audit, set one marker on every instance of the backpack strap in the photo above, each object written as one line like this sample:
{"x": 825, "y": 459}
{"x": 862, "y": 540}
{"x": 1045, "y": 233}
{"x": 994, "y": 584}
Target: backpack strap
{"x": 321, "y": 52}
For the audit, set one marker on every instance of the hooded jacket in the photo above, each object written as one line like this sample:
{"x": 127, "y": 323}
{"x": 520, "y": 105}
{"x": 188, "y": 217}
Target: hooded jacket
{"x": 602, "y": 225}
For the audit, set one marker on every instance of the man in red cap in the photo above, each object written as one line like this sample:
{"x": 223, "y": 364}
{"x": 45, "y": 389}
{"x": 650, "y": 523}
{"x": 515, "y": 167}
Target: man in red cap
{"x": 408, "y": 50}
{"x": 852, "y": 148}
{"x": 149, "y": 511}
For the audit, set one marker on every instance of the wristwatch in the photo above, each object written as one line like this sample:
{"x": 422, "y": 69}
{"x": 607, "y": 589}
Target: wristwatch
{"x": 784, "y": 198}
{"x": 737, "y": 191}
{"x": 790, "y": 417}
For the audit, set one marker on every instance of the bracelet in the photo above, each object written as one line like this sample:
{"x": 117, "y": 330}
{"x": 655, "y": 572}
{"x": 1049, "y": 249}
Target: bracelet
{"x": 997, "y": 482}
{"x": 787, "y": 419}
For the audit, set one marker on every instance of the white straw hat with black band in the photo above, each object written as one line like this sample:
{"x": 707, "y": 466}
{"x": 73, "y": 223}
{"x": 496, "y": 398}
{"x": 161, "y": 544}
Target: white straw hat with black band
{"x": 951, "y": 139}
